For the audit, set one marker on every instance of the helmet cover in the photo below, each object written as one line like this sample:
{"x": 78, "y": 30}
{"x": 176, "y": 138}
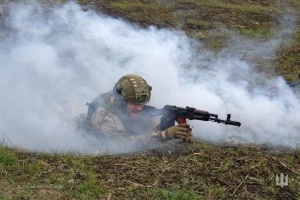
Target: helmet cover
{"x": 134, "y": 89}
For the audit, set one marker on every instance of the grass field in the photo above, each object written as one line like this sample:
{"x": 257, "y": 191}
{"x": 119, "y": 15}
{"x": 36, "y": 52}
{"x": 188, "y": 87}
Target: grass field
{"x": 199, "y": 170}
{"x": 205, "y": 21}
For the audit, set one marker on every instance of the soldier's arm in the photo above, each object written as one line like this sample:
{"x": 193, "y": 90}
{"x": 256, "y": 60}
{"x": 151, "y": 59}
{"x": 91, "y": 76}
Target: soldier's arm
{"x": 104, "y": 122}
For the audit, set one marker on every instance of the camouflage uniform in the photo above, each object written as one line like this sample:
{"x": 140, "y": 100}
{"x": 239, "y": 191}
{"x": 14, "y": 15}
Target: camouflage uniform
{"x": 64, "y": 111}
{"x": 107, "y": 114}
{"x": 108, "y": 119}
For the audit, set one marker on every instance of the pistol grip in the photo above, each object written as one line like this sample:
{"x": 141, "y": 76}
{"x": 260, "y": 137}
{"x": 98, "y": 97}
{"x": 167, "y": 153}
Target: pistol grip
{"x": 181, "y": 120}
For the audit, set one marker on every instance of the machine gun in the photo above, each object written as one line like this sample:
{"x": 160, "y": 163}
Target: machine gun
{"x": 172, "y": 113}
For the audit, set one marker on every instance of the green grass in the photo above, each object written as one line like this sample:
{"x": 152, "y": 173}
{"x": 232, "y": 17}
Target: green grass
{"x": 7, "y": 158}
{"x": 198, "y": 171}
{"x": 206, "y": 20}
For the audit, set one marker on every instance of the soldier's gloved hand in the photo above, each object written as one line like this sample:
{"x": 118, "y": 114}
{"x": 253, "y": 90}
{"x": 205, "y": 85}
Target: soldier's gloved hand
{"x": 180, "y": 131}
{"x": 166, "y": 121}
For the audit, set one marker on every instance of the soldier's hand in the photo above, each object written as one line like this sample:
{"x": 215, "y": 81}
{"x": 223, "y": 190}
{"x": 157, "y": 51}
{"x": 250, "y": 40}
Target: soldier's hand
{"x": 180, "y": 131}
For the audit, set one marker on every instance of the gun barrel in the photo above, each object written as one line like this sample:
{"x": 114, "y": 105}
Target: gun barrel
{"x": 234, "y": 123}
{"x": 226, "y": 122}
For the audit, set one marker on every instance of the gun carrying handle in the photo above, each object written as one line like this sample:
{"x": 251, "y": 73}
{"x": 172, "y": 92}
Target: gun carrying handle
{"x": 181, "y": 120}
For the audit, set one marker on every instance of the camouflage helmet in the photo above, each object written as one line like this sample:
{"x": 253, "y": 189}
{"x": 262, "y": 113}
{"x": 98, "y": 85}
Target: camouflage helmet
{"x": 133, "y": 88}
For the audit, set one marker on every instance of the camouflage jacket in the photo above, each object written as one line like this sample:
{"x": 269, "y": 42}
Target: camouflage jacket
{"x": 108, "y": 119}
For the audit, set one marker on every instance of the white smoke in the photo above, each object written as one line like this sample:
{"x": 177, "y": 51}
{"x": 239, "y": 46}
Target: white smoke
{"x": 56, "y": 53}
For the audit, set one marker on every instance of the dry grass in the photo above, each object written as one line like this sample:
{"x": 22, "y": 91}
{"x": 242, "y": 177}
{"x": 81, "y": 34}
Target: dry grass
{"x": 197, "y": 171}
{"x": 253, "y": 19}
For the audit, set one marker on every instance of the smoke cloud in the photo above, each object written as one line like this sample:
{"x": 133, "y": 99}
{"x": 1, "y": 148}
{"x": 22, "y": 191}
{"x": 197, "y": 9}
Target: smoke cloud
{"x": 55, "y": 55}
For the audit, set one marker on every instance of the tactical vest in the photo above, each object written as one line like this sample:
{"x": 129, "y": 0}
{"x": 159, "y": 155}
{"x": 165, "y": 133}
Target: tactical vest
{"x": 142, "y": 125}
